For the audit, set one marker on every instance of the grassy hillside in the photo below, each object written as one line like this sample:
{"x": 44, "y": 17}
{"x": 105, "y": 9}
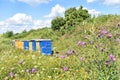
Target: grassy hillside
{"x": 89, "y": 51}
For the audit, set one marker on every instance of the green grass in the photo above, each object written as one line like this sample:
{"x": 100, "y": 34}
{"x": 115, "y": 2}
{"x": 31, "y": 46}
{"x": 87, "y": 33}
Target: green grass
{"x": 93, "y": 67}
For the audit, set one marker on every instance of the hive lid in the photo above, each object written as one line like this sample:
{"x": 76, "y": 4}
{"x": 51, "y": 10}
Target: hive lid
{"x": 42, "y": 39}
{"x": 16, "y": 40}
{"x": 26, "y": 40}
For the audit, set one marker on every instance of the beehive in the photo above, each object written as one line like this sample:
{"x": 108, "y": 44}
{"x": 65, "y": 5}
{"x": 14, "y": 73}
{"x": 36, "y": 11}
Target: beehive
{"x": 40, "y": 45}
{"x": 30, "y": 46}
{"x": 26, "y": 45}
{"x": 16, "y": 43}
{"x": 34, "y": 45}
{"x": 37, "y": 46}
{"x": 45, "y": 46}
{"x": 21, "y": 46}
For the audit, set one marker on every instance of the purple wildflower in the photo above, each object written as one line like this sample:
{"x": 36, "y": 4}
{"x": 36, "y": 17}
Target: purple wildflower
{"x": 84, "y": 43}
{"x": 20, "y": 62}
{"x": 104, "y": 32}
{"x": 102, "y": 49}
{"x": 12, "y": 74}
{"x": 119, "y": 24}
{"x": 63, "y": 56}
{"x": 107, "y": 62}
{"x": 96, "y": 46}
{"x": 92, "y": 43}
{"x": 79, "y": 43}
{"x": 69, "y": 52}
{"x": 118, "y": 40}
{"x": 82, "y": 58}
{"x": 112, "y": 57}
{"x": 34, "y": 70}
{"x": 109, "y": 35}
{"x": 65, "y": 68}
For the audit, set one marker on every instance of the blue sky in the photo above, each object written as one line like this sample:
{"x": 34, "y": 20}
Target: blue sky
{"x": 17, "y": 15}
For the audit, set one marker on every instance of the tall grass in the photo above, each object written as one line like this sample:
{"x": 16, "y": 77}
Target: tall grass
{"x": 86, "y": 52}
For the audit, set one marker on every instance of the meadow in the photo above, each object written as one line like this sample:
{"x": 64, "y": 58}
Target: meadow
{"x": 89, "y": 51}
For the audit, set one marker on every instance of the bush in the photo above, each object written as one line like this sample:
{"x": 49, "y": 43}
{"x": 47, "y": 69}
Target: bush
{"x": 57, "y": 23}
{"x": 8, "y": 34}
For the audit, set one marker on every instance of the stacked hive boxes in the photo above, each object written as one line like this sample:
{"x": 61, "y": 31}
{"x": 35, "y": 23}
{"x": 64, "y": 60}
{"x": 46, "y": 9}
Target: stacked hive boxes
{"x": 46, "y": 46}
{"x": 18, "y": 44}
{"x": 30, "y": 46}
{"x": 37, "y": 45}
{"x": 26, "y": 44}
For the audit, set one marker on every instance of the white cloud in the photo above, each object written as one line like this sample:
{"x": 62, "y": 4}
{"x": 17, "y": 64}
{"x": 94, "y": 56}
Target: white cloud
{"x": 112, "y": 2}
{"x": 21, "y": 21}
{"x": 90, "y": 1}
{"x": 41, "y": 23}
{"x": 93, "y": 12}
{"x": 57, "y": 10}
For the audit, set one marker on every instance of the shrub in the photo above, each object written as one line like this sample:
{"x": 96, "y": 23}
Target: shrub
{"x": 8, "y": 34}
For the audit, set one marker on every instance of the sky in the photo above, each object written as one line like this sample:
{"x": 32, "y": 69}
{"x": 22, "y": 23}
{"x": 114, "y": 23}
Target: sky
{"x": 19, "y": 15}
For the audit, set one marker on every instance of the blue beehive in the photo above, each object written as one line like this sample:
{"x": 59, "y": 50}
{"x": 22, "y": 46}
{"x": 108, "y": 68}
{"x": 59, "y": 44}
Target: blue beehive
{"x": 46, "y": 46}
{"x": 26, "y": 45}
{"x": 34, "y": 45}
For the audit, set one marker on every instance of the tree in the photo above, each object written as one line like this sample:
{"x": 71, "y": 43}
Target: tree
{"x": 70, "y": 16}
{"x": 57, "y": 23}
{"x": 83, "y": 13}
{"x": 74, "y": 16}
{"x": 8, "y": 34}
{"x": 24, "y": 31}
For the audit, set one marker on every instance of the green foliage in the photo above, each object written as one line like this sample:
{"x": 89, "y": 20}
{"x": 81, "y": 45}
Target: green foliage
{"x": 8, "y": 34}
{"x": 70, "y": 16}
{"x": 19, "y": 35}
{"x": 104, "y": 18}
{"x": 74, "y": 16}
{"x": 57, "y": 23}
{"x": 24, "y": 31}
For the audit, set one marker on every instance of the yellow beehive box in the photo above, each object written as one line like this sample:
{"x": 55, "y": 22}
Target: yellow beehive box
{"x": 21, "y": 45}
{"x": 38, "y": 46}
{"x": 16, "y": 43}
{"x": 30, "y": 46}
